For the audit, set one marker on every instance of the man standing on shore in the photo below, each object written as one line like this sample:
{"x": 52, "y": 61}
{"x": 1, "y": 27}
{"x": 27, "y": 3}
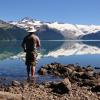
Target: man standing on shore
{"x": 30, "y": 44}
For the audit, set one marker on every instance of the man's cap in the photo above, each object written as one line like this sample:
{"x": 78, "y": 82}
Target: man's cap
{"x": 32, "y": 29}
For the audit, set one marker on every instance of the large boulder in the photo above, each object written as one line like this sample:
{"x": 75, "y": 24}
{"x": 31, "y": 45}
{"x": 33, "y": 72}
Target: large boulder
{"x": 42, "y": 71}
{"x": 62, "y": 87}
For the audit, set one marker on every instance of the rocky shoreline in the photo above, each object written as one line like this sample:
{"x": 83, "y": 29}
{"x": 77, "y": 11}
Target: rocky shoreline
{"x": 77, "y": 83}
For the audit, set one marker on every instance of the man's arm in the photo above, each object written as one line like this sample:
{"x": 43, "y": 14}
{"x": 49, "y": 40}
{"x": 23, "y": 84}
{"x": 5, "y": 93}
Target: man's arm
{"x": 23, "y": 45}
{"x": 38, "y": 42}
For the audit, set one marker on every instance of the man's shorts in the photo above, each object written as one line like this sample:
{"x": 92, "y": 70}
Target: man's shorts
{"x": 31, "y": 58}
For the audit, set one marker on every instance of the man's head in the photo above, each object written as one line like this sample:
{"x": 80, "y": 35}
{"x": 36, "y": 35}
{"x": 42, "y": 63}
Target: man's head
{"x": 32, "y": 30}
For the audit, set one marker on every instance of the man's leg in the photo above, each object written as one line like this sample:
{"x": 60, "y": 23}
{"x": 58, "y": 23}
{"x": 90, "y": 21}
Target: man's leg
{"x": 33, "y": 64}
{"x": 32, "y": 71}
{"x": 28, "y": 72}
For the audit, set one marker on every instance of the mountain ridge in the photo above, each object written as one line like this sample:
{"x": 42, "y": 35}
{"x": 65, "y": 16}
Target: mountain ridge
{"x": 11, "y": 32}
{"x": 72, "y": 31}
{"x": 48, "y": 30}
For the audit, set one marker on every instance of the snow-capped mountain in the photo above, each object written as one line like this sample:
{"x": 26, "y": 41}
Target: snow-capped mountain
{"x": 66, "y": 29}
{"x": 27, "y": 22}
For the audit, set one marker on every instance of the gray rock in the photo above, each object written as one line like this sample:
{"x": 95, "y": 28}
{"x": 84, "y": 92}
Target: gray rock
{"x": 16, "y": 83}
{"x": 72, "y": 67}
{"x": 96, "y": 88}
{"x": 89, "y": 68}
{"x": 41, "y": 86}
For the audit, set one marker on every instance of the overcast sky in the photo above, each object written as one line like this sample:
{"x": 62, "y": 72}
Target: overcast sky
{"x": 67, "y": 11}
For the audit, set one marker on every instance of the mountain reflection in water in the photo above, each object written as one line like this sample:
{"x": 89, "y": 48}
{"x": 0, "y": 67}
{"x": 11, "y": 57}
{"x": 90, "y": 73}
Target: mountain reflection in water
{"x": 52, "y": 48}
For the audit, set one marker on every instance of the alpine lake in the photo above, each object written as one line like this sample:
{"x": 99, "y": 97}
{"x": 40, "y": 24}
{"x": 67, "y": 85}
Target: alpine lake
{"x": 82, "y": 52}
